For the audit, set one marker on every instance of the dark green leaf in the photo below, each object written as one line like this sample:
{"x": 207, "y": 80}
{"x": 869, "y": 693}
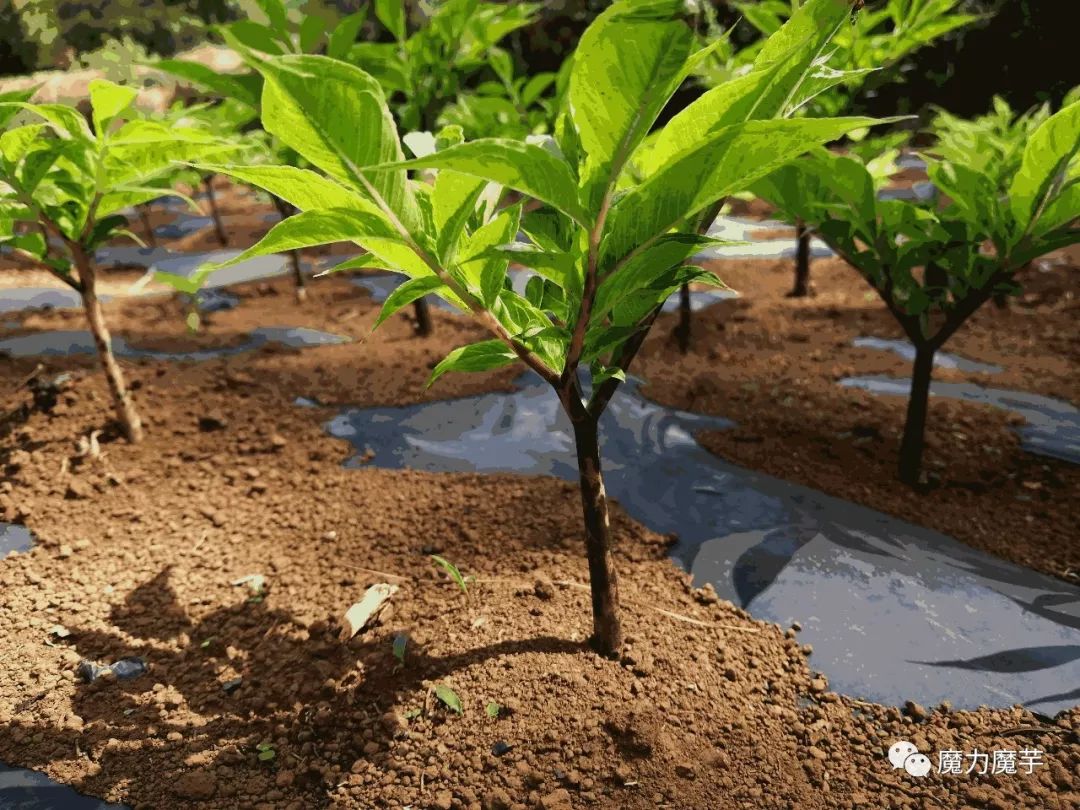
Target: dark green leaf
{"x": 490, "y": 354}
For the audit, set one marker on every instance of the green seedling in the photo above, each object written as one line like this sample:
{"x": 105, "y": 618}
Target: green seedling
{"x": 606, "y": 252}
{"x": 65, "y": 183}
{"x": 493, "y": 709}
{"x": 934, "y": 266}
{"x": 452, "y": 571}
{"x": 449, "y": 697}
{"x": 285, "y": 30}
{"x": 425, "y": 70}
{"x": 400, "y": 642}
{"x": 870, "y": 51}
{"x": 266, "y": 752}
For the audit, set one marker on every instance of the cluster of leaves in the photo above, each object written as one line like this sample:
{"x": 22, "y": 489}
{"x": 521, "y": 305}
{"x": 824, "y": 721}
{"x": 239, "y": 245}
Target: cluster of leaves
{"x": 604, "y": 259}
{"x": 42, "y": 33}
{"x": 991, "y": 144}
{"x": 1024, "y": 203}
{"x": 934, "y": 265}
{"x": 428, "y": 74}
{"x": 879, "y": 37}
{"x": 65, "y": 182}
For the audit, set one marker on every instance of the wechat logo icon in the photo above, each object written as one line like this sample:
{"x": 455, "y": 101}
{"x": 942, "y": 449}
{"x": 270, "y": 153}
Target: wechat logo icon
{"x": 904, "y": 755}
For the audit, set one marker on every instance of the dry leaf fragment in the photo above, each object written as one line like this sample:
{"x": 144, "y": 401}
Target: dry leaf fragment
{"x": 359, "y": 615}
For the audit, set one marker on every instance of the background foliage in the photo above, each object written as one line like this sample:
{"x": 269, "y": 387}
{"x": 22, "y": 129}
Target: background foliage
{"x": 1019, "y": 51}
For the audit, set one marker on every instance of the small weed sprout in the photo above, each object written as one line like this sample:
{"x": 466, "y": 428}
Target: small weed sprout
{"x": 400, "y": 643}
{"x": 449, "y": 698}
{"x": 453, "y": 572}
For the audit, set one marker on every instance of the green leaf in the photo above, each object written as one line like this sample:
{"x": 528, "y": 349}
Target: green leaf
{"x": 645, "y": 268}
{"x": 364, "y": 261}
{"x": 971, "y": 192}
{"x": 629, "y": 62}
{"x": 408, "y": 292}
{"x": 125, "y": 196}
{"x": 400, "y": 643}
{"x": 518, "y": 314}
{"x": 730, "y": 160}
{"x": 485, "y": 356}
{"x": 482, "y": 271}
{"x": 276, "y": 13}
{"x": 391, "y": 13}
{"x": 319, "y": 227}
{"x": 730, "y": 103}
{"x": 336, "y": 117}
{"x": 311, "y": 30}
{"x": 17, "y": 96}
{"x": 107, "y": 101}
{"x": 1061, "y": 209}
{"x": 557, "y": 267}
{"x": 453, "y": 202}
{"x": 1043, "y": 245}
{"x": 67, "y": 121}
{"x": 15, "y": 143}
{"x": 529, "y": 169}
{"x": 449, "y": 697}
{"x": 344, "y": 34}
{"x": 104, "y": 229}
{"x": 449, "y": 567}
{"x": 492, "y": 709}
{"x": 798, "y": 44}
{"x": 302, "y": 188}
{"x": 250, "y": 34}
{"x": 243, "y": 88}
{"x": 1048, "y": 151}
{"x": 32, "y": 243}
{"x": 636, "y": 306}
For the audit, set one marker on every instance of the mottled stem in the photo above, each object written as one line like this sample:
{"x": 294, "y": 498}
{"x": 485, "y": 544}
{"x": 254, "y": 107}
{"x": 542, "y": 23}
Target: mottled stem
{"x": 130, "y": 422}
{"x": 607, "y": 635}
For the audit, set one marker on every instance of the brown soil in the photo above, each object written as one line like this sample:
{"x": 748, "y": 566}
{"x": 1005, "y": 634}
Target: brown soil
{"x": 716, "y": 711}
{"x": 706, "y": 709}
{"x": 771, "y": 364}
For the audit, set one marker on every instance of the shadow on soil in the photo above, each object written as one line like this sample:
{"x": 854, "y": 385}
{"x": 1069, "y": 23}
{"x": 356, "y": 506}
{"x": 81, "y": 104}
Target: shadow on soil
{"x": 282, "y": 662}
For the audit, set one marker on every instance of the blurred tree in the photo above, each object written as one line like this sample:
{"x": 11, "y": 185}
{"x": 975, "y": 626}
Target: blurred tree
{"x": 17, "y": 51}
{"x": 40, "y": 34}
{"x": 1022, "y": 51}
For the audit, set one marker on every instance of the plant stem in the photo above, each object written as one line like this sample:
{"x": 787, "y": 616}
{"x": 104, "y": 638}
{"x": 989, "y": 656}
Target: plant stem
{"x": 130, "y": 422}
{"x": 148, "y": 229}
{"x": 208, "y": 185}
{"x": 285, "y": 210}
{"x": 705, "y": 220}
{"x": 607, "y": 635}
{"x": 682, "y": 330}
{"x": 424, "y": 326}
{"x": 298, "y": 276}
{"x": 911, "y": 447}
{"x": 802, "y": 261}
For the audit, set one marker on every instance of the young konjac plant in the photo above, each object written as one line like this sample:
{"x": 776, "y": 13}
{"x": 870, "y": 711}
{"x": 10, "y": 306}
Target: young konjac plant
{"x": 287, "y": 30}
{"x": 868, "y": 52}
{"x": 605, "y": 259}
{"x": 425, "y": 72}
{"x": 932, "y": 268}
{"x": 63, "y": 185}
